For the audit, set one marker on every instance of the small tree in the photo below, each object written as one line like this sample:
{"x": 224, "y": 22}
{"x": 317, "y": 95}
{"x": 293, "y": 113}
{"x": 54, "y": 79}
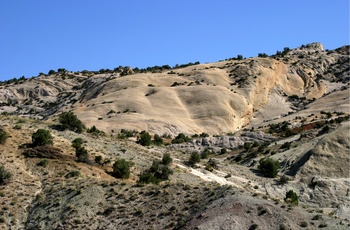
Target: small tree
{"x": 98, "y": 159}
{"x": 4, "y": 175}
{"x": 82, "y": 154}
{"x": 269, "y": 167}
{"x": 157, "y": 140}
{"x": 144, "y": 139}
{"x": 194, "y": 158}
{"x": 292, "y": 198}
{"x": 180, "y": 138}
{"x": 42, "y": 137}
{"x": 121, "y": 168}
{"x": 69, "y": 120}
{"x": 3, "y": 136}
{"x": 166, "y": 160}
{"x": 77, "y": 142}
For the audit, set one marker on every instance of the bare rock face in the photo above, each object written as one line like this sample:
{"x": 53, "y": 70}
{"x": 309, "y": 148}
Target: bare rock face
{"x": 216, "y": 98}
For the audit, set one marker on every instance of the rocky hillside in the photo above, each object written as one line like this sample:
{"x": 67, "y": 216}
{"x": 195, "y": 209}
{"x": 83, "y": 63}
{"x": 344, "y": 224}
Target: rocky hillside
{"x": 216, "y": 98}
{"x": 256, "y": 143}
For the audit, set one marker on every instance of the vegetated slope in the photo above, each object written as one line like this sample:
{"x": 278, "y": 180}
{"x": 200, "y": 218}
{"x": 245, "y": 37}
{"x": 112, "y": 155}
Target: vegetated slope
{"x": 215, "y": 98}
{"x": 61, "y": 193}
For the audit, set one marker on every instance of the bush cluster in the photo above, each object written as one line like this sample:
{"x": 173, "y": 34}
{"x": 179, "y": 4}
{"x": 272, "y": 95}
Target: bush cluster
{"x": 42, "y": 137}
{"x": 269, "y": 167}
{"x": 159, "y": 171}
{"x": 80, "y": 152}
{"x": 144, "y": 139}
{"x": 95, "y": 131}
{"x": 70, "y": 121}
{"x": 292, "y": 198}
{"x": 121, "y": 168}
{"x": 180, "y": 138}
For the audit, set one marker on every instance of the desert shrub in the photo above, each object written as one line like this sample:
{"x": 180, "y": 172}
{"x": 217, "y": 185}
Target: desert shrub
{"x": 43, "y": 163}
{"x": 82, "y": 154}
{"x": 73, "y": 173}
{"x": 194, "y": 158}
{"x": 166, "y": 160}
{"x": 283, "y": 180}
{"x": 69, "y": 120}
{"x": 158, "y": 172}
{"x": 124, "y": 133}
{"x": 98, "y": 159}
{"x": 269, "y": 167}
{"x": 204, "y": 135}
{"x": 42, "y": 137}
{"x": 291, "y": 197}
{"x": 95, "y": 131}
{"x": 286, "y": 145}
{"x": 144, "y": 139}
{"x": 147, "y": 177}
{"x": 121, "y": 168}
{"x": 157, "y": 140}
{"x": 205, "y": 153}
{"x": 3, "y": 136}
{"x": 77, "y": 142}
{"x": 5, "y": 176}
{"x": 180, "y": 138}
{"x": 223, "y": 151}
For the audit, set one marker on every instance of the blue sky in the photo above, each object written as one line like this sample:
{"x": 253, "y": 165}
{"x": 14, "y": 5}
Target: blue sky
{"x": 39, "y": 35}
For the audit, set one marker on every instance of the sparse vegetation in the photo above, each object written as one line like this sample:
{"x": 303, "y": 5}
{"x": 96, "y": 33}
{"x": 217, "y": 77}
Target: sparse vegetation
{"x": 5, "y": 175}
{"x": 3, "y": 136}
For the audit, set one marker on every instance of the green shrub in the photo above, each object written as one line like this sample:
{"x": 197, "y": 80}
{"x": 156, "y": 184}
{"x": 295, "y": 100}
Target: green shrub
{"x": 205, "y": 153}
{"x": 95, "y": 131}
{"x": 147, "y": 177}
{"x": 223, "y": 151}
{"x": 180, "y": 138}
{"x": 291, "y": 198}
{"x": 144, "y": 139}
{"x": 43, "y": 163}
{"x": 42, "y": 137}
{"x": 77, "y": 142}
{"x": 269, "y": 167}
{"x": 82, "y": 154}
{"x": 3, "y": 136}
{"x": 98, "y": 159}
{"x": 166, "y": 160}
{"x": 194, "y": 158}
{"x": 69, "y": 120}
{"x": 158, "y": 172}
{"x": 121, "y": 168}
{"x": 157, "y": 140}
{"x": 5, "y": 176}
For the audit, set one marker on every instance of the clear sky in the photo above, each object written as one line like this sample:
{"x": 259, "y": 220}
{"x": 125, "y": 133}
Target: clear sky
{"x": 39, "y": 35}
